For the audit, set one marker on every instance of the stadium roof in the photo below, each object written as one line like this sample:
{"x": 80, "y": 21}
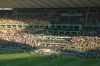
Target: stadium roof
{"x": 48, "y": 3}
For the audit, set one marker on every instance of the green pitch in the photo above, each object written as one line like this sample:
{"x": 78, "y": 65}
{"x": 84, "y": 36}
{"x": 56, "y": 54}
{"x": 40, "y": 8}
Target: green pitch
{"x": 28, "y": 59}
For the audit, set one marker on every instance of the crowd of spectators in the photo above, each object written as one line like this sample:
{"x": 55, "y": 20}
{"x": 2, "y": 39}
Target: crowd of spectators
{"x": 85, "y": 43}
{"x": 11, "y": 36}
{"x": 78, "y": 43}
{"x": 23, "y": 35}
{"x": 17, "y": 20}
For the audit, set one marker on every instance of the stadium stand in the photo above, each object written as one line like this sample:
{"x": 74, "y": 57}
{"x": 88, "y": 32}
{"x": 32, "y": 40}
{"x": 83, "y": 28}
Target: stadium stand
{"x": 30, "y": 30}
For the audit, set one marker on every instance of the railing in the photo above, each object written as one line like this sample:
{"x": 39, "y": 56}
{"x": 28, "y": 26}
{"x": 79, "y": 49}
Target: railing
{"x": 91, "y": 25}
{"x": 40, "y": 25}
{"x": 57, "y": 37}
{"x": 63, "y": 31}
{"x": 50, "y": 25}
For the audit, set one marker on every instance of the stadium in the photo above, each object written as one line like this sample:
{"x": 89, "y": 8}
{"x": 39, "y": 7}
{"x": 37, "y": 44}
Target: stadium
{"x": 49, "y": 32}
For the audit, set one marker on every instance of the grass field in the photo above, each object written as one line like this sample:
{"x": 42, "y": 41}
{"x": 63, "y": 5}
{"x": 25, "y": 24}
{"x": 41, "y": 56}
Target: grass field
{"x": 28, "y": 59}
